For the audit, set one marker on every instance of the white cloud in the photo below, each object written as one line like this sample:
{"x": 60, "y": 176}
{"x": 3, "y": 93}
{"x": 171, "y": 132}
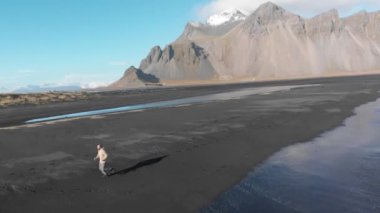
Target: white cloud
{"x": 94, "y": 84}
{"x": 13, "y": 79}
{"x": 85, "y": 81}
{"x": 22, "y": 79}
{"x": 302, "y": 7}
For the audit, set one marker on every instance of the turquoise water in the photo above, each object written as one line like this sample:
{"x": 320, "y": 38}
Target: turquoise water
{"x": 171, "y": 103}
{"x": 336, "y": 172}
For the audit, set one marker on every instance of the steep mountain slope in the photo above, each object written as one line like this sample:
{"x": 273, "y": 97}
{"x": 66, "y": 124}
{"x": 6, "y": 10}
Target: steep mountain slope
{"x": 271, "y": 43}
{"x": 179, "y": 61}
{"x": 185, "y": 58}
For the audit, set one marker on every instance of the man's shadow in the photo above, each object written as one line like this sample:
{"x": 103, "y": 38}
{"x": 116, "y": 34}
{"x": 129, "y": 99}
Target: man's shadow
{"x": 138, "y": 165}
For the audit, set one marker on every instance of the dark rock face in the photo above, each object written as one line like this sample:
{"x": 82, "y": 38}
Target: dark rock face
{"x": 153, "y": 57}
{"x": 137, "y": 74}
{"x": 134, "y": 77}
{"x": 259, "y": 22}
{"x": 179, "y": 61}
{"x": 147, "y": 78}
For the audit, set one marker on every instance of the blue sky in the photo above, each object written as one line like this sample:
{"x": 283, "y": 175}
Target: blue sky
{"x": 63, "y": 41}
{"x": 94, "y": 41}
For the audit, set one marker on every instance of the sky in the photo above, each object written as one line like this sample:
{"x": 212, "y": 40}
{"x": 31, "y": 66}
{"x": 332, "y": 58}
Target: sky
{"x": 92, "y": 42}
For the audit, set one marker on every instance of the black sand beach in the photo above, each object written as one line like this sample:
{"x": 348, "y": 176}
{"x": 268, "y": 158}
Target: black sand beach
{"x": 209, "y": 147}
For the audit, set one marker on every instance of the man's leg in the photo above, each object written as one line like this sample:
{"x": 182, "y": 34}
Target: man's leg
{"x": 101, "y": 167}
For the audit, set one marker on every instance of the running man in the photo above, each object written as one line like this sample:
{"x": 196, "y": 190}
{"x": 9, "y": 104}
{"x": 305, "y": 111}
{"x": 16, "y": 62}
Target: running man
{"x": 102, "y": 156}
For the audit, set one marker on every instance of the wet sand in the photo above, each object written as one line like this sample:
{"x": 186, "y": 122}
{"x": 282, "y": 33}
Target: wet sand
{"x": 335, "y": 172}
{"x": 209, "y": 146}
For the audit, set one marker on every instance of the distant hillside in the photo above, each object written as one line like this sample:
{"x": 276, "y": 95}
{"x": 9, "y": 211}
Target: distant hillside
{"x": 46, "y": 88}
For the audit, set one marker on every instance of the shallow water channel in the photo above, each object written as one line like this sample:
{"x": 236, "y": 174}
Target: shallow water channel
{"x": 336, "y": 172}
{"x": 237, "y": 94}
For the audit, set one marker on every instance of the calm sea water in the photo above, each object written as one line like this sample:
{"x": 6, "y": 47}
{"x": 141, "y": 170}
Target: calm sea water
{"x": 336, "y": 172}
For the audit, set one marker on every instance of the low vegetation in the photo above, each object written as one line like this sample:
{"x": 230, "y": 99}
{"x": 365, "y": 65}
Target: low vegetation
{"x": 39, "y": 98}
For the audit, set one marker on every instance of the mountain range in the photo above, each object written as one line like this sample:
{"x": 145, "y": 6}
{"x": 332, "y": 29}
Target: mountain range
{"x": 271, "y": 43}
{"x": 46, "y": 88}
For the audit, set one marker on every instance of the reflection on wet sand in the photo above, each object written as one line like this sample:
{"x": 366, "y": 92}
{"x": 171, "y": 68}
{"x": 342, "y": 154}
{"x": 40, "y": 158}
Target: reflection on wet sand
{"x": 336, "y": 172}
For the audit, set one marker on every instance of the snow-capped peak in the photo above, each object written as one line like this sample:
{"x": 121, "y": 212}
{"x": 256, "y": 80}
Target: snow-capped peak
{"x": 226, "y": 17}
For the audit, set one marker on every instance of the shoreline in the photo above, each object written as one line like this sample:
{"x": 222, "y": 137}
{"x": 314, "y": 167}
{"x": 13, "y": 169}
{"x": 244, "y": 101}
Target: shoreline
{"x": 42, "y": 98}
{"x": 350, "y": 148}
{"x": 17, "y": 114}
{"x": 210, "y": 147}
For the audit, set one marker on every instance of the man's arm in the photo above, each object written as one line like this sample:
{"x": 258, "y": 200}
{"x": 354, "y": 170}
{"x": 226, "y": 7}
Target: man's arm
{"x": 97, "y": 156}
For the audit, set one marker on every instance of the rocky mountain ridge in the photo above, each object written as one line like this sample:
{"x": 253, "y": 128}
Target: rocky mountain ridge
{"x": 271, "y": 43}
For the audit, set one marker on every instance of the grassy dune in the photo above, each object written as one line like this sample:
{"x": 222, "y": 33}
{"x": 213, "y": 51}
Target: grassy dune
{"x": 40, "y": 98}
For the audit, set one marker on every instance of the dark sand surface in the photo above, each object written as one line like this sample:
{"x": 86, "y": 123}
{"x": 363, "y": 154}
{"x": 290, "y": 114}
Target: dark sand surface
{"x": 210, "y": 146}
